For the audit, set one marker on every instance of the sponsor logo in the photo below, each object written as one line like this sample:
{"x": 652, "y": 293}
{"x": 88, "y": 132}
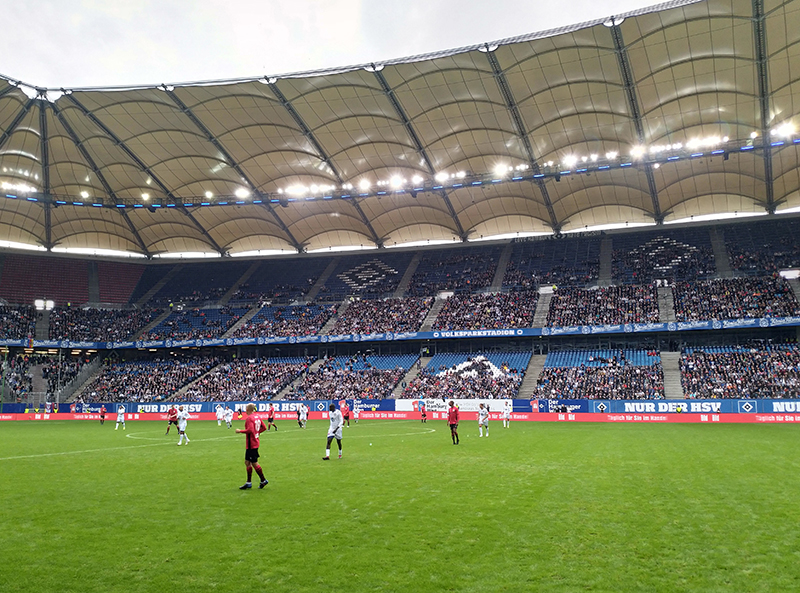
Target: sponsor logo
{"x": 672, "y": 326}
{"x": 292, "y": 339}
{"x": 168, "y": 343}
{"x": 545, "y": 331}
{"x": 586, "y": 329}
{"x": 323, "y": 339}
{"x": 731, "y": 323}
{"x": 785, "y": 406}
{"x": 716, "y": 324}
{"x": 628, "y": 328}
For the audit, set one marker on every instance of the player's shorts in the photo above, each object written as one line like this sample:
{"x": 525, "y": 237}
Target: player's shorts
{"x": 454, "y": 426}
{"x": 251, "y": 455}
{"x": 171, "y": 422}
{"x": 483, "y": 422}
{"x": 102, "y": 416}
{"x": 346, "y": 416}
{"x": 271, "y": 420}
{"x": 336, "y": 435}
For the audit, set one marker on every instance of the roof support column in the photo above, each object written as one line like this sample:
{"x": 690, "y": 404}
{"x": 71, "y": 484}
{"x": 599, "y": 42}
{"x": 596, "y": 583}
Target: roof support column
{"x": 760, "y": 43}
{"x": 629, "y": 83}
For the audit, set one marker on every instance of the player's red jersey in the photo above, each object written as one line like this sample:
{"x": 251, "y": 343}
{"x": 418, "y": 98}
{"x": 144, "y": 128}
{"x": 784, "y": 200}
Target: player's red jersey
{"x": 172, "y": 414}
{"x": 253, "y": 427}
{"x": 345, "y": 409}
{"x": 271, "y": 413}
{"x": 103, "y": 411}
{"x": 452, "y": 415}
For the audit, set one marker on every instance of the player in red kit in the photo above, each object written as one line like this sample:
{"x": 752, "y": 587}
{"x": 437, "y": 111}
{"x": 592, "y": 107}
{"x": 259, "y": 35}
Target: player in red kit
{"x": 172, "y": 417}
{"x": 452, "y": 420}
{"x": 102, "y": 415}
{"x": 271, "y": 418}
{"x": 345, "y": 409}
{"x": 253, "y": 427}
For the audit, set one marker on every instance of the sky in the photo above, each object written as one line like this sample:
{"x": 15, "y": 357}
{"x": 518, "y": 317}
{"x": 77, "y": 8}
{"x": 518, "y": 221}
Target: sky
{"x": 83, "y": 43}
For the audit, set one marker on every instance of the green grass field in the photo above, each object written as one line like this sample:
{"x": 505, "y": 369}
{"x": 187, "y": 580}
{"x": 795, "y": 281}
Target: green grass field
{"x": 537, "y": 507}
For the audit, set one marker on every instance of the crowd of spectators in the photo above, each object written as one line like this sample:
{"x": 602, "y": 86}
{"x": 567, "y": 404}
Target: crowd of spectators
{"x": 279, "y": 293}
{"x": 294, "y": 320}
{"x": 196, "y": 324}
{"x": 330, "y": 381}
{"x": 98, "y": 325}
{"x": 476, "y": 378}
{"x": 459, "y": 272}
{"x": 60, "y": 372}
{"x": 602, "y": 306}
{"x": 614, "y": 380}
{"x": 488, "y": 311}
{"x": 742, "y": 372}
{"x": 389, "y": 315}
{"x": 17, "y": 323}
{"x": 664, "y": 258}
{"x": 18, "y": 380}
{"x": 245, "y": 380}
{"x": 146, "y": 381}
{"x": 734, "y": 298}
{"x": 763, "y": 248}
{"x": 559, "y": 275}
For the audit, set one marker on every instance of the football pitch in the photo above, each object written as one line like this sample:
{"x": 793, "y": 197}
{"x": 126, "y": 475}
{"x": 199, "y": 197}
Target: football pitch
{"x": 536, "y": 507}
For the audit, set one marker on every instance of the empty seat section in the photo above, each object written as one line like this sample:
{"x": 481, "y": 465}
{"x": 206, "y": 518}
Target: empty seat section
{"x": 26, "y": 278}
{"x": 117, "y": 281}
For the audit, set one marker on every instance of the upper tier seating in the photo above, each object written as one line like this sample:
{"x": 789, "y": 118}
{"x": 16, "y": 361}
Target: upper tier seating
{"x": 666, "y": 254}
{"x": 17, "y": 323}
{"x": 390, "y": 315}
{"x": 26, "y": 278}
{"x": 199, "y": 283}
{"x": 117, "y": 281}
{"x": 763, "y": 247}
{"x": 368, "y": 276}
{"x": 99, "y": 325}
{"x": 460, "y": 269}
{"x": 736, "y": 298}
{"x": 282, "y": 280}
{"x": 196, "y": 324}
{"x": 291, "y": 320}
{"x": 488, "y": 311}
{"x": 564, "y": 261}
{"x": 601, "y": 306}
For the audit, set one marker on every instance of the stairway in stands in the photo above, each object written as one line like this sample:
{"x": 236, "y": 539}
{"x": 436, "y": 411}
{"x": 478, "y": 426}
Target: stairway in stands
{"x": 542, "y": 308}
{"x": 535, "y": 368}
{"x": 312, "y": 294}
{"x": 42, "y": 330}
{"x": 605, "y": 277}
{"x": 666, "y": 304}
{"x": 343, "y": 306}
{"x": 158, "y": 285}
{"x": 244, "y": 278}
{"x": 502, "y": 266}
{"x": 427, "y": 325}
{"x": 670, "y": 362}
{"x": 795, "y": 284}
{"x": 157, "y": 321}
{"x": 299, "y": 380}
{"x": 410, "y": 376}
{"x": 251, "y": 312}
{"x": 402, "y": 286}
{"x": 721, "y": 258}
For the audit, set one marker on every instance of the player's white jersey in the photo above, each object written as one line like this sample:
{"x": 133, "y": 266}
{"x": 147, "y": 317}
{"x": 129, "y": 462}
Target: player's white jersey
{"x": 220, "y": 412}
{"x": 121, "y": 414}
{"x": 228, "y": 415}
{"x": 182, "y": 418}
{"x": 507, "y": 411}
{"x": 303, "y": 412}
{"x": 483, "y": 416}
{"x": 335, "y": 429}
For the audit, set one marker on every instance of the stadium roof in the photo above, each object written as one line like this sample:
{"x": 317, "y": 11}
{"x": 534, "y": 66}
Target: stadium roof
{"x": 683, "y": 109}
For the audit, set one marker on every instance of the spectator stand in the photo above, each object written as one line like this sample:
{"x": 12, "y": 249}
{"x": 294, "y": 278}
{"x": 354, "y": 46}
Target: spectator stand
{"x": 353, "y": 377}
{"x": 736, "y": 298}
{"x": 280, "y": 281}
{"x": 378, "y": 316}
{"x": 763, "y": 248}
{"x": 563, "y": 261}
{"x": 741, "y": 372}
{"x": 99, "y": 325}
{"x": 369, "y": 276}
{"x": 601, "y": 374}
{"x": 673, "y": 255}
{"x": 245, "y": 379}
{"x": 488, "y": 311}
{"x": 17, "y": 322}
{"x": 200, "y": 284}
{"x": 466, "y": 376}
{"x": 570, "y": 306}
{"x": 196, "y": 324}
{"x": 290, "y": 320}
{"x": 460, "y": 269}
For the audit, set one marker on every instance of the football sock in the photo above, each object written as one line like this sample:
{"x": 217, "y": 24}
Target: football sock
{"x": 260, "y": 472}
{"x": 249, "y": 474}
{"x": 327, "y": 452}
{"x": 480, "y": 429}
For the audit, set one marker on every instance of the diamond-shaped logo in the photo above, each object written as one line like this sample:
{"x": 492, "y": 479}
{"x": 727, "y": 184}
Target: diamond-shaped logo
{"x": 368, "y": 274}
{"x": 747, "y": 407}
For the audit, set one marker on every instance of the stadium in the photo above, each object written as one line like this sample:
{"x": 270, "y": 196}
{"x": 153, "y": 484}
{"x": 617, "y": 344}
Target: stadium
{"x": 591, "y": 232}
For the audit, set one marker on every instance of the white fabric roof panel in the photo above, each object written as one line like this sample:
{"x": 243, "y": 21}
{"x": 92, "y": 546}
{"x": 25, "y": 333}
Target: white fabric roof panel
{"x": 679, "y": 71}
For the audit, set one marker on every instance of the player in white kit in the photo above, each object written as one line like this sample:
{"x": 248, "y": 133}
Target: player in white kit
{"x": 334, "y": 431}
{"x": 228, "y": 414}
{"x": 483, "y": 419}
{"x": 220, "y": 414}
{"x": 507, "y": 414}
{"x": 120, "y": 417}
{"x": 356, "y": 412}
{"x": 183, "y": 417}
{"x": 303, "y": 415}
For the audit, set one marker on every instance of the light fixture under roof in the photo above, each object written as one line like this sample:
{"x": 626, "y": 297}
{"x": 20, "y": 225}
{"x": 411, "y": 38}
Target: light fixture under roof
{"x": 84, "y": 194}
{"x": 209, "y": 195}
{"x": 241, "y": 193}
{"x": 364, "y": 184}
{"x": 145, "y": 196}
